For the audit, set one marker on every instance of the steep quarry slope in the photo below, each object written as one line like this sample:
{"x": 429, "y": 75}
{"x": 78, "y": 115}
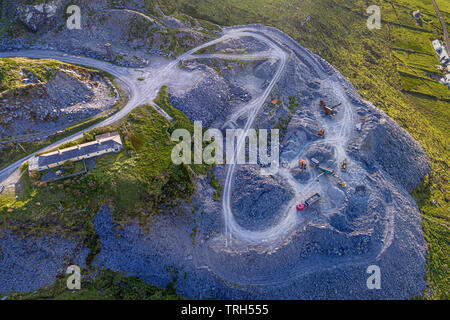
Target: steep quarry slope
{"x": 39, "y": 98}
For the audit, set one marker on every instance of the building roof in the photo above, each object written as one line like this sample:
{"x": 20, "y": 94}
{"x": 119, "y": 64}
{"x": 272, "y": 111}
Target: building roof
{"x": 102, "y": 143}
{"x": 440, "y": 50}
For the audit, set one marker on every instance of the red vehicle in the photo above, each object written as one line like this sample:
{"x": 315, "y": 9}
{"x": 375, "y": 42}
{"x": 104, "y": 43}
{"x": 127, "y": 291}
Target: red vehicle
{"x": 308, "y": 202}
{"x": 300, "y": 207}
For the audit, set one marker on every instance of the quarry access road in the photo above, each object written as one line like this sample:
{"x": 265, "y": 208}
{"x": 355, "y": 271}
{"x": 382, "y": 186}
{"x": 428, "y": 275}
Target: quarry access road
{"x": 141, "y": 92}
{"x": 122, "y": 74}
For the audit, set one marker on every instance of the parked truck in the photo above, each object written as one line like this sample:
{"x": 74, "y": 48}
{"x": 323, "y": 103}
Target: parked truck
{"x": 308, "y": 202}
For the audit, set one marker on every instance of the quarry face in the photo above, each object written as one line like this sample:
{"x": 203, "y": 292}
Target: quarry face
{"x": 256, "y": 238}
{"x": 41, "y": 109}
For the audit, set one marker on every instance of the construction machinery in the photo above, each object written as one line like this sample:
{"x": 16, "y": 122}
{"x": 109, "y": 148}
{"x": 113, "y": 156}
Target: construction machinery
{"x": 341, "y": 183}
{"x": 321, "y": 133}
{"x": 315, "y": 163}
{"x": 324, "y": 170}
{"x": 329, "y": 111}
{"x": 303, "y": 165}
{"x": 344, "y": 164}
{"x": 308, "y": 202}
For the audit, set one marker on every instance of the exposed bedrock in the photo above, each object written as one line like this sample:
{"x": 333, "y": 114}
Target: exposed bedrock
{"x": 135, "y": 38}
{"x": 242, "y": 45}
{"x": 34, "y": 262}
{"x": 259, "y": 198}
{"x": 66, "y": 98}
{"x": 208, "y": 99}
{"x": 385, "y": 143}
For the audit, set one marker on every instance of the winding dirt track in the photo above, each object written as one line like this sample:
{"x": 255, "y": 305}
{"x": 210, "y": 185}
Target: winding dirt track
{"x": 338, "y": 133}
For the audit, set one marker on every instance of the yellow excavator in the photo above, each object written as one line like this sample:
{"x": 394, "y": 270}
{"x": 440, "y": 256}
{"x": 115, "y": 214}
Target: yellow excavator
{"x": 344, "y": 164}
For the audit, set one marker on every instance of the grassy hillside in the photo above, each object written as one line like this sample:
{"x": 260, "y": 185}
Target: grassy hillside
{"x": 393, "y": 67}
{"x": 14, "y": 70}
